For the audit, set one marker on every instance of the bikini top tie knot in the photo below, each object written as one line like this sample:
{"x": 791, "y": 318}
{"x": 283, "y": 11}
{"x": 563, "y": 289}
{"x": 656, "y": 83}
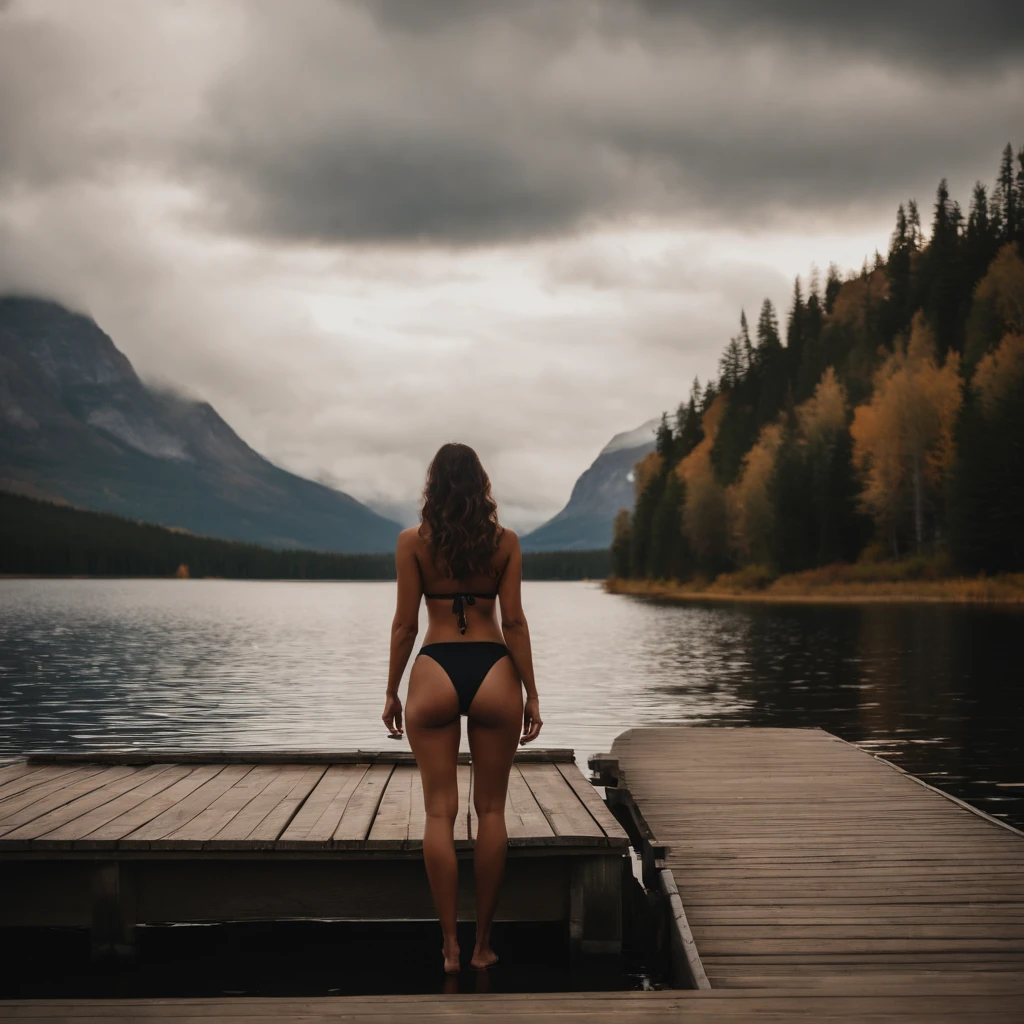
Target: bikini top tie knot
{"x": 459, "y": 602}
{"x": 459, "y": 609}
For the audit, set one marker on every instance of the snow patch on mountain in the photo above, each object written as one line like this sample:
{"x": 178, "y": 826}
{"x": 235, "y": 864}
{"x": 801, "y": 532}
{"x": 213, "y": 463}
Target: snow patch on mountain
{"x": 638, "y": 438}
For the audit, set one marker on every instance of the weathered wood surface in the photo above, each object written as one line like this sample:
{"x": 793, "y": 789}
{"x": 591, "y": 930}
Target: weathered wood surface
{"x": 798, "y": 856}
{"x": 526, "y": 755}
{"x": 888, "y": 998}
{"x": 362, "y": 803}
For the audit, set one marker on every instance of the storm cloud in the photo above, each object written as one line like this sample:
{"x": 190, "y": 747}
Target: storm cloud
{"x": 339, "y": 222}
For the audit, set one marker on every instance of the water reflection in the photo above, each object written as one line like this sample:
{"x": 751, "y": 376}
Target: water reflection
{"x": 221, "y": 664}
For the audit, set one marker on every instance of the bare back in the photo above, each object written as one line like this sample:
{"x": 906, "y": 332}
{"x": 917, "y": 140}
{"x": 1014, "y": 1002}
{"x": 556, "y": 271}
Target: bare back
{"x": 482, "y": 614}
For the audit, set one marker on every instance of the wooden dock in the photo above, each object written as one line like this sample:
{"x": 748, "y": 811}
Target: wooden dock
{"x": 109, "y": 841}
{"x": 805, "y": 878}
{"x": 802, "y": 860}
{"x": 934, "y": 999}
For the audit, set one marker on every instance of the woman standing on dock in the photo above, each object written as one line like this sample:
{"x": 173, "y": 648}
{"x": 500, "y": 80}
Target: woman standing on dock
{"x": 462, "y": 562}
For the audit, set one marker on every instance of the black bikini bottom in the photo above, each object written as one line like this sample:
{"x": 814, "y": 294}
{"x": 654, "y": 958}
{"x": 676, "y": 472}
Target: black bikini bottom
{"x": 467, "y": 662}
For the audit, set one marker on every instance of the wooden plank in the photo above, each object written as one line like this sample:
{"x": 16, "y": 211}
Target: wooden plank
{"x": 56, "y": 778}
{"x": 76, "y": 808}
{"x": 35, "y": 775}
{"x": 391, "y": 823}
{"x": 561, "y": 805}
{"x": 23, "y": 809}
{"x": 117, "y": 829}
{"x": 75, "y": 831}
{"x": 524, "y": 817}
{"x": 319, "y": 816}
{"x": 901, "y": 1000}
{"x": 208, "y": 822}
{"x": 267, "y": 815}
{"x": 594, "y": 804}
{"x": 185, "y": 809}
{"x": 15, "y": 770}
{"x": 526, "y": 755}
{"x": 357, "y": 818}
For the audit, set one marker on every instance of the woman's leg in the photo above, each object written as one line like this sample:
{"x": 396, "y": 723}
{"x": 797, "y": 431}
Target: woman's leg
{"x": 432, "y": 723}
{"x": 495, "y": 724}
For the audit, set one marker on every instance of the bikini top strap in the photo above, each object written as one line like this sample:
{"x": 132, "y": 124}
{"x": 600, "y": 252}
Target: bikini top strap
{"x": 459, "y": 602}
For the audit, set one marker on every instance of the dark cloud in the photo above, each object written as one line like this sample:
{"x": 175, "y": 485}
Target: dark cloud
{"x": 462, "y": 123}
{"x": 473, "y": 124}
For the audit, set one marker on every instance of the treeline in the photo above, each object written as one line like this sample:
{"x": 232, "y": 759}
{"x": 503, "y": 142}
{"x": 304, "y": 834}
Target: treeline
{"x": 44, "y": 538}
{"x": 885, "y": 418}
{"x": 567, "y": 565}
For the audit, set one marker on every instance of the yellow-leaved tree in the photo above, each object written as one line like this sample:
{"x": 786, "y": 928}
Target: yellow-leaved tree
{"x": 704, "y": 518}
{"x": 749, "y": 502}
{"x": 903, "y": 438}
{"x": 999, "y": 371}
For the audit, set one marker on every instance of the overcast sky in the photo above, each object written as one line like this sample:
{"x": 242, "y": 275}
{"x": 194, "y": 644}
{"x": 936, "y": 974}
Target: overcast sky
{"x": 361, "y": 229}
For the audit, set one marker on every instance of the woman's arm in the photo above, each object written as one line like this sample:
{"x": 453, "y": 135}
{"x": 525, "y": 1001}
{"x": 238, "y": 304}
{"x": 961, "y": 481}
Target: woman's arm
{"x": 404, "y": 627}
{"x": 517, "y": 636}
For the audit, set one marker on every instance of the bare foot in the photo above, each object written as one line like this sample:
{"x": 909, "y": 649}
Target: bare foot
{"x": 451, "y": 960}
{"x": 482, "y": 959}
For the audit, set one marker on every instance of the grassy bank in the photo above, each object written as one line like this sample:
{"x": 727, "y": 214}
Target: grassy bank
{"x": 911, "y": 581}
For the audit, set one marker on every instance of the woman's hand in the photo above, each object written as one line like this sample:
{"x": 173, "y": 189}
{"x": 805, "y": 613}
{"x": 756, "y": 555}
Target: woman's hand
{"x": 392, "y": 716}
{"x": 531, "y": 720}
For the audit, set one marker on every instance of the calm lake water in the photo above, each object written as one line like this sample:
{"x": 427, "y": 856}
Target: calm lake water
{"x": 223, "y": 664}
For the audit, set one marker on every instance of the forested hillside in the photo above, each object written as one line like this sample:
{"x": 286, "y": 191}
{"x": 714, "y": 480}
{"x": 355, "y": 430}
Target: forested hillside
{"x": 884, "y": 418}
{"x": 42, "y": 538}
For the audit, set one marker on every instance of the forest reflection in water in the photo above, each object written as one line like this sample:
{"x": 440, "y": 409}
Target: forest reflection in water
{"x": 225, "y": 664}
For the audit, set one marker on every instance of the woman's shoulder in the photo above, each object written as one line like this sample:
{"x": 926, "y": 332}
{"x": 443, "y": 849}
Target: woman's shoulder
{"x": 410, "y": 539}
{"x": 508, "y": 541}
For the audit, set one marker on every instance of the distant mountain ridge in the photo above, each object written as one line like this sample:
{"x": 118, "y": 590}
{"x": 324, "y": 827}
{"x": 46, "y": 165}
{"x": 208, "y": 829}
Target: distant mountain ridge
{"x": 77, "y": 423}
{"x": 607, "y": 486}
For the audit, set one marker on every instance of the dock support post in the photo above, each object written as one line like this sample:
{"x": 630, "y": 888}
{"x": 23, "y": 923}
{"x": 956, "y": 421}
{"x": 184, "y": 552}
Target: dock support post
{"x": 113, "y": 910}
{"x": 595, "y": 907}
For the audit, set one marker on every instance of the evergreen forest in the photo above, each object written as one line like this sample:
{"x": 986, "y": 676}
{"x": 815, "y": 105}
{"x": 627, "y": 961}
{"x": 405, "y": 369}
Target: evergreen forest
{"x": 881, "y": 418}
{"x": 44, "y": 538}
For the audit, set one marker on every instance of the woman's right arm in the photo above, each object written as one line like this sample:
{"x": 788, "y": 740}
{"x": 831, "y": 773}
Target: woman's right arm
{"x": 517, "y": 635}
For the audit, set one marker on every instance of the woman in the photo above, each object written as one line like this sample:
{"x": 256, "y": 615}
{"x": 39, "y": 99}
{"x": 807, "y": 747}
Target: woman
{"x": 461, "y": 561}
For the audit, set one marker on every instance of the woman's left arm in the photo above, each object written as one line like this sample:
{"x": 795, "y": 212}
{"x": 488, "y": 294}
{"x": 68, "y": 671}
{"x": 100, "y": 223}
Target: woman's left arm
{"x": 404, "y": 626}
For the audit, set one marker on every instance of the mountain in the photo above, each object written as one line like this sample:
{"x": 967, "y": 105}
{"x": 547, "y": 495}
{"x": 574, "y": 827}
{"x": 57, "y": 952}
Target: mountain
{"x": 77, "y": 424}
{"x": 607, "y": 486}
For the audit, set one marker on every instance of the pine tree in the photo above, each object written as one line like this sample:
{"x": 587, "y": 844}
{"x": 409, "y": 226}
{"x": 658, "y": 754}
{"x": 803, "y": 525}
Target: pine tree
{"x": 768, "y": 339}
{"x": 642, "y": 523}
{"x": 748, "y": 348}
{"x": 944, "y": 300}
{"x": 688, "y": 429}
{"x": 832, "y": 285}
{"x": 621, "y": 545}
{"x": 898, "y": 273}
{"x": 796, "y": 328}
{"x": 1007, "y": 188}
{"x": 1020, "y": 198}
{"x": 663, "y": 438}
{"x": 665, "y": 560}
{"x": 730, "y": 366}
{"x": 914, "y": 225}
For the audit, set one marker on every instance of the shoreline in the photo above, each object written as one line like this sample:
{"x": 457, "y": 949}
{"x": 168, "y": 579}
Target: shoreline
{"x": 797, "y": 589}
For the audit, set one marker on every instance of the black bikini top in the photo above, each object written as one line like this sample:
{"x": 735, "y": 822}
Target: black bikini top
{"x": 459, "y": 602}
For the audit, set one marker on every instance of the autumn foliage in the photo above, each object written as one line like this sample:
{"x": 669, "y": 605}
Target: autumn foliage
{"x": 883, "y": 419}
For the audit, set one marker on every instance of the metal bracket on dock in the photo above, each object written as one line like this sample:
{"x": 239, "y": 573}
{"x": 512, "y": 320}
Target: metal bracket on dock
{"x": 687, "y": 969}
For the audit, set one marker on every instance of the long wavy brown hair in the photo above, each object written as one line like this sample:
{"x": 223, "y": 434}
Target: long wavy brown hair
{"x": 459, "y": 512}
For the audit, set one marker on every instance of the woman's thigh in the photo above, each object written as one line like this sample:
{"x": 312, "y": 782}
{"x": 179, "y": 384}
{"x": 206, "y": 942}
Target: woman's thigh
{"x": 434, "y": 729}
{"x": 495, "y": 725}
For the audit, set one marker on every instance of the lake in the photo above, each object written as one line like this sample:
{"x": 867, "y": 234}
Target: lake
{"x": 223, "y": 664}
